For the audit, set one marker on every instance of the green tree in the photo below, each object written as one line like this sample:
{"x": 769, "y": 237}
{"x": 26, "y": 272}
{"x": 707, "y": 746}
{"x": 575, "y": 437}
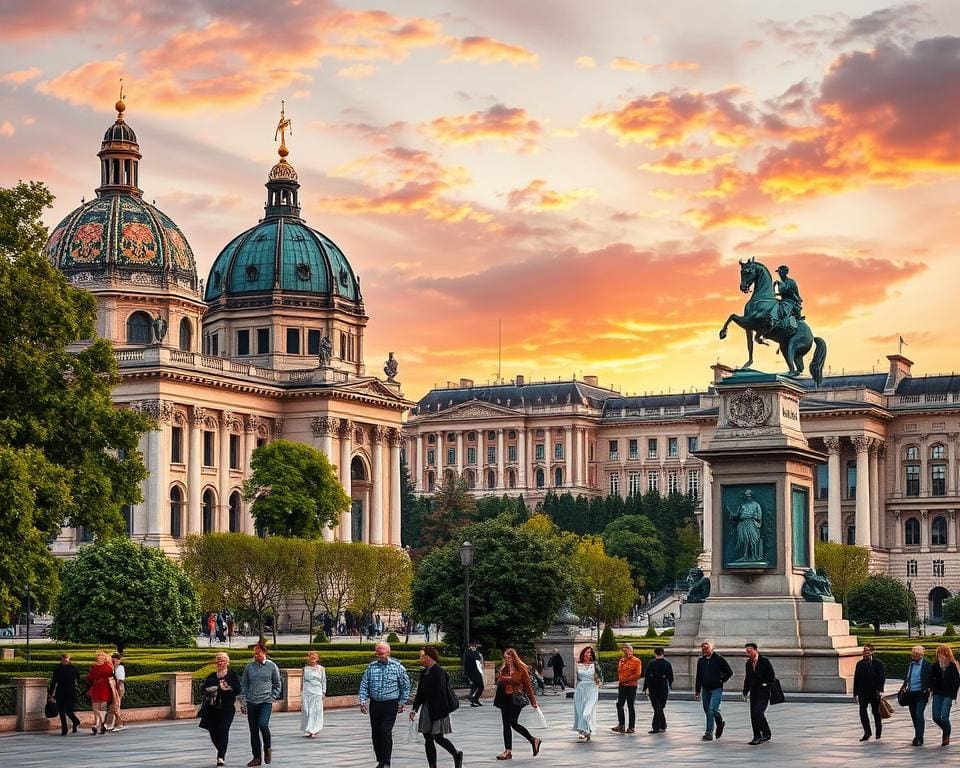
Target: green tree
{"x": 517, "y": 584}
{"x": 380, "y": 579}
{"x": 608, "y": 641}
{"x": 123, "y": 593}
{"x": 951, "y": 612}
{"x": 878, "y": 600}
{"x": 294, "y": 489}
{"x": 411, "y": 509}
{"x": 595, "y": 570}
{"x": 68, "y": 456}
{"x": 636, "y": 540}
{"x": 845, "y": 564}
{"x": 452, "y": 507}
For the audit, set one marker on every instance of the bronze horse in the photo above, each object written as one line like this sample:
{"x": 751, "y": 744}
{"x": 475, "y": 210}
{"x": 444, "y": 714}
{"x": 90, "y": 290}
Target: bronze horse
{"x": 759, "y": 317}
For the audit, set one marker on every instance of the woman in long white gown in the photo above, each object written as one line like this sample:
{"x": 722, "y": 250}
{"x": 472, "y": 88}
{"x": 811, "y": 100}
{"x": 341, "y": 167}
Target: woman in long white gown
{"x": 586, "y": 694}
{"x": 314, "y": 689}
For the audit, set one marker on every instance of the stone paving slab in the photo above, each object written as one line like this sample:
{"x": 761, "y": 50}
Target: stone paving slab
{"x": 803, "y": 735}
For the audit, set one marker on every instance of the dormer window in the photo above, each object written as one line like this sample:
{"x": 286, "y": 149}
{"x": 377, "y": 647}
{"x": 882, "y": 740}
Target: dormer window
{"x": 252, "y": 273}
{"x": 343, "y": 277}
{"x": 303, "y": 271}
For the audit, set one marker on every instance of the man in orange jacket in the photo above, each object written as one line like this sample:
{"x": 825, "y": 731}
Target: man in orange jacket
{"x": 628, "y": 673}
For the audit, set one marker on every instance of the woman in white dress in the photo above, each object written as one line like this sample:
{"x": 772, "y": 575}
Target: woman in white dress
{"x": 314, "y": 689}
{"x": 586, "y": 694}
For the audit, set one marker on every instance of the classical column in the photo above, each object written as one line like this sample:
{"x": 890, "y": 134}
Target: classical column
{"x": 952, "y": 463}
{"x": 194, "y": 459}
{"x": 419, "y": 475}
{"x": 223, "y": 473}
{"x": 481, "y": 459}
{"x": 834, "y": 523}
{"x": 396, "y": 437}
{"x": 568, "y": 456}
{"x": 861, "y": 444}
{"x": 459, "y": 452}
{"x": 882, "y": 492}
{"x": 897, "y": 468}
{"x": 897, "y": 530}
{"x": 952, "y": 530}
{"x": 584, "y": 456}
{"x": 158, "y": 464}
{"x": 500, "y": 458}
{"x": 521, "y": 458}
{"x": 251, "y": 428}
{"x": 874, "y": 494}
{"x": 377, "y": 435}
{"x": 323, "y": 428}
{"x": 531, "y": 457}
{"x": 346, "y": 448}
{"x": 924, "y": 531}
{"x": 924, "y": 477}
{"x": 707, "y": 509}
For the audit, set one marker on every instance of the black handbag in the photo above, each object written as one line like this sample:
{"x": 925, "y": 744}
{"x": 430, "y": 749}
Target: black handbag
{"x": 776, "y": 693}
{"x": 903, "y": 697}
{"x": 51, "y": 709}
{"x": 453, "y": 703}
{"x": 520, "y": 699}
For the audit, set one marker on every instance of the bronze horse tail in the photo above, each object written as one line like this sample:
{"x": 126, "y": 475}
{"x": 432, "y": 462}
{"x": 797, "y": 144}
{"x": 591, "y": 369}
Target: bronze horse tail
{"x": 819, "y": 358}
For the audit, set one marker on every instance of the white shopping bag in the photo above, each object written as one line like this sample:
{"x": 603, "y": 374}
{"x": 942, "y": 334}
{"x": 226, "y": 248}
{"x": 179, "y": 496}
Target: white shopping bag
{"x": 543, "y": 717}
{"x": 411, "y": 731}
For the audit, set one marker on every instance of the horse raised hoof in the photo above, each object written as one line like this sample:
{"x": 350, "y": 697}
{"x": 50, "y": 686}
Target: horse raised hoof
{"x": 723, "y": 333}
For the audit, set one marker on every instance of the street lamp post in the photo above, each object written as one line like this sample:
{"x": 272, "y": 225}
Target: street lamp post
{"x": 28, "y": 624}
{"x": 598, "y": 594}
{"x": 466, "y": 560}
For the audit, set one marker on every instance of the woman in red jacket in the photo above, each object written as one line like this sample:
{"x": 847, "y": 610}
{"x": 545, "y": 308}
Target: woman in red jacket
{"x": 101, "y": 691}
{"x": 513, "y": 686}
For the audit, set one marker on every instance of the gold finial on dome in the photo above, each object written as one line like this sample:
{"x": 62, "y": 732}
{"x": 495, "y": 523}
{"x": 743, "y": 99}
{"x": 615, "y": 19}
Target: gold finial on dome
{"x": 120, "y": 106}
{"x": 283, "y": 126}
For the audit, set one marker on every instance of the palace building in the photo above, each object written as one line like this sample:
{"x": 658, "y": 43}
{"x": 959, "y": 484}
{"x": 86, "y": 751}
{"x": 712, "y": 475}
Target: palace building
{"x": 889, "y": 480}
{"x": 272, "y": 347}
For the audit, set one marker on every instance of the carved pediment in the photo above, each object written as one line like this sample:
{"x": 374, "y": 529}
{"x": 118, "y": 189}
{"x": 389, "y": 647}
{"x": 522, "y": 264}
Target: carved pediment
{"x": 475, "y": 409}
{"x": 371, "y": 387}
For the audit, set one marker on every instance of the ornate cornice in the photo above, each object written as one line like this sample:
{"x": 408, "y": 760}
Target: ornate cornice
{"x": 160, "y": 411}
{"x": 198, "y": 416}
{"x": 252, "y": 423}
{"x": 832, "y": 444}
{"x": 378, "y": 434}
{"x": 323, "y": 426}
{"x": 344, "y": 429}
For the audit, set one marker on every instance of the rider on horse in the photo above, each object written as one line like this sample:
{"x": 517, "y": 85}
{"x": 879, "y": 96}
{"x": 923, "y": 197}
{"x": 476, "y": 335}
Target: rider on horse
{"x": 786, "y": 312}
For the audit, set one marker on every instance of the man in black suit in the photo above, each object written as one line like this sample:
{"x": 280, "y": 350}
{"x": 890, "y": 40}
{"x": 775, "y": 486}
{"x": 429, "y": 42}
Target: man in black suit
{"x": 916, "y": 685}
{"x": 63, "y": 691}
{"x": 473, "y": 670}
{"x": 557, "y": 664}
{"x": 657, "y": 682}
{"x": 757, "y": 679}
{"x": 868, "y": 680}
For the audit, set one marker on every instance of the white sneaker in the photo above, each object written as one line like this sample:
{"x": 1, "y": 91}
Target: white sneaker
{"x": 118, "y": 728}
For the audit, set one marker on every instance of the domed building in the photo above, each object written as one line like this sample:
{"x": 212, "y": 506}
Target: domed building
{"x": 272, "y": 349}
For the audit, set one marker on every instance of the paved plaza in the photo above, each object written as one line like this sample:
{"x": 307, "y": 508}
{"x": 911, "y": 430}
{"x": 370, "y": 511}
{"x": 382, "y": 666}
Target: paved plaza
{"x": 803, "y": 734}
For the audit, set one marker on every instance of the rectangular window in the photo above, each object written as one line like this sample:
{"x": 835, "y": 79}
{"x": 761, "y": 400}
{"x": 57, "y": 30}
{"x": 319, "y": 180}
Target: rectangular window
{"x": 614, "y": 480}
{"x": 673, "y": 482}
{"x": 651, "y": 448}
{"x": 938, "y": 480}
{"x": 693, "y": 444}
{"x": 851, "y": 480}
{"x": 234, "y": 451}
{"x": 208, "y": 446}
{"x": 693, "y": 483}
{"x": 176, "y": 445}
{"x": 293, "y": 341}
{"x": 911, "y": 568}
{"x": 451, "y": 456}
{"x": 263, "y": 341}
{"x": 653, "y": 481}
{"x": 614, "y": 450}
{"x": 633, "y": 484}
{"x": 939, "y": 569}
{"x": 632, "y": 449}
{"x": 471, "y": 455}
{"x": 313, "y": 341}
{"x": 673, "y": 448}
{"x": 823, "y": 481}
{"x": 243, "y": 343}
{"x": 215, "y": 344}
{"x": 512, "y": 454}
{"x": 431, "y": 457}
{"x": 913, "y": 479}
{"x": 491, "y": 454}
{"x": 558, "y": 451}
{"x": 590, "y": 453}
{"x": 540, "y": 451}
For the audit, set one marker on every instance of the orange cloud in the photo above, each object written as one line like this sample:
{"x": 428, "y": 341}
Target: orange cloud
{"x": 718, "y": 216}
{"x": 506, "y": 125}
{"x": 7, "y": 129}
{"x": 21, "y": 76}
{"x": 537, "y": 198}
{"x": 486, "y": 50}
{"x": 629, "y": 65}
{"x": 669, "y": 119}
{"x": 684, "y": 66}
{"x": 358, "y": 71}
{"x": 585, "y": 62}
{"x": 677, "y": 164}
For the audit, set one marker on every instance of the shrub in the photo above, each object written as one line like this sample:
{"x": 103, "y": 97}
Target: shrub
{"x": 607, "y": 641}
{"x": 392, "y": 638}
{"x": 651, "y": 631}
{"x": 321, "y": 637}
{"x": 949, "y": 631}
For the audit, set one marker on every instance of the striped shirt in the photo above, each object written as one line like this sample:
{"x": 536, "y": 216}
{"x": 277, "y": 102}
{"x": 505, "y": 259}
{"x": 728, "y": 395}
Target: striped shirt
{"x": 385, "y": 681}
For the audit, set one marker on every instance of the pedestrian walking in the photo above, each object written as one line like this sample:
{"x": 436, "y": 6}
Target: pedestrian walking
{"x": 557, "y": 664}
{"x": 101, "y": 692}
{"x": 220, "y": 688}
{"x": 434, "y": 701}
{"x": 586, "y": 694}
{"x": 944, "y": 683}
{"x": 916, "y": 691}
{"x": 869, "y": 678}
{"x": 758, "y": 680}
{"x": 473, "y": 671}
{"x": 384, "y": 689}
{"x": 656, "y": 685}
{"x": 712, "y": 672}
{"x": 514, "y": 692}
{"x": 260, "y": 687}
{"x": 113, "y": 721}
{"x": 628, "y": 676}
{"x": 314, "y": 689}
{"x": 63, "y": 692}
{"x": 211, "y": 627}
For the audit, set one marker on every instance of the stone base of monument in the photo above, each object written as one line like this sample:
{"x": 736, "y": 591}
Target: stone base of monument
{"x": 808, "y": 644}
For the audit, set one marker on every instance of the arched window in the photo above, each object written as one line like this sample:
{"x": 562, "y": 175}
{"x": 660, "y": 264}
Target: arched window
{"x": 358, "y": 470}
{"x": 235, "y": 509}
{"x": 471, "y": 479}
{"x": 540, "y": 478}
{"x": 431, "y": 481}
{"x": 912, "y": 453}
{"x": 558, "y": 477}
{"x": 823, "y": 531}
{"x": 852, "y": 533}
{"x": 491, "y": 479}
{"x": 911, "y": 532}
{"x": 936, "y": 452}
{"x": 938, "y": 531}
{"x": 139, "y": 328}
{"x": 208, "y": 508}
{"x": 176, "y": 512}
{"x": 512, "y": 479}
{"x": 186, "y": 335}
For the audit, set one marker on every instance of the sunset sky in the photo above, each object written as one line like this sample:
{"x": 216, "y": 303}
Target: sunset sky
{"x": 590, "y": 173}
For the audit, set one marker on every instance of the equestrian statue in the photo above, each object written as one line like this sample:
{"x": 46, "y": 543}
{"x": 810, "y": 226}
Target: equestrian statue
{"x": 774, "y": 312}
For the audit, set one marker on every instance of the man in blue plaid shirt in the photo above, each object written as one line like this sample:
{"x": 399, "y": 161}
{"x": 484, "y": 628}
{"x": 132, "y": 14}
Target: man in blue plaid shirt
{"x": 384, "y": 689}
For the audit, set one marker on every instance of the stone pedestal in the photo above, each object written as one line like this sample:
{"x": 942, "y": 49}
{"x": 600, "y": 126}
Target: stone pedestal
{"x": 761, "y": 520}
{"x": 292, "y": 700}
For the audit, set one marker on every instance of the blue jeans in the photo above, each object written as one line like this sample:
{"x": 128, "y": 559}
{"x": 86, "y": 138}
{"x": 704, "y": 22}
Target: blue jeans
{"x": 941, "y": 712}
{"x": 258, "y": 718}
{"x": 918, "y": 708}
{"x": 710, "y": 699}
